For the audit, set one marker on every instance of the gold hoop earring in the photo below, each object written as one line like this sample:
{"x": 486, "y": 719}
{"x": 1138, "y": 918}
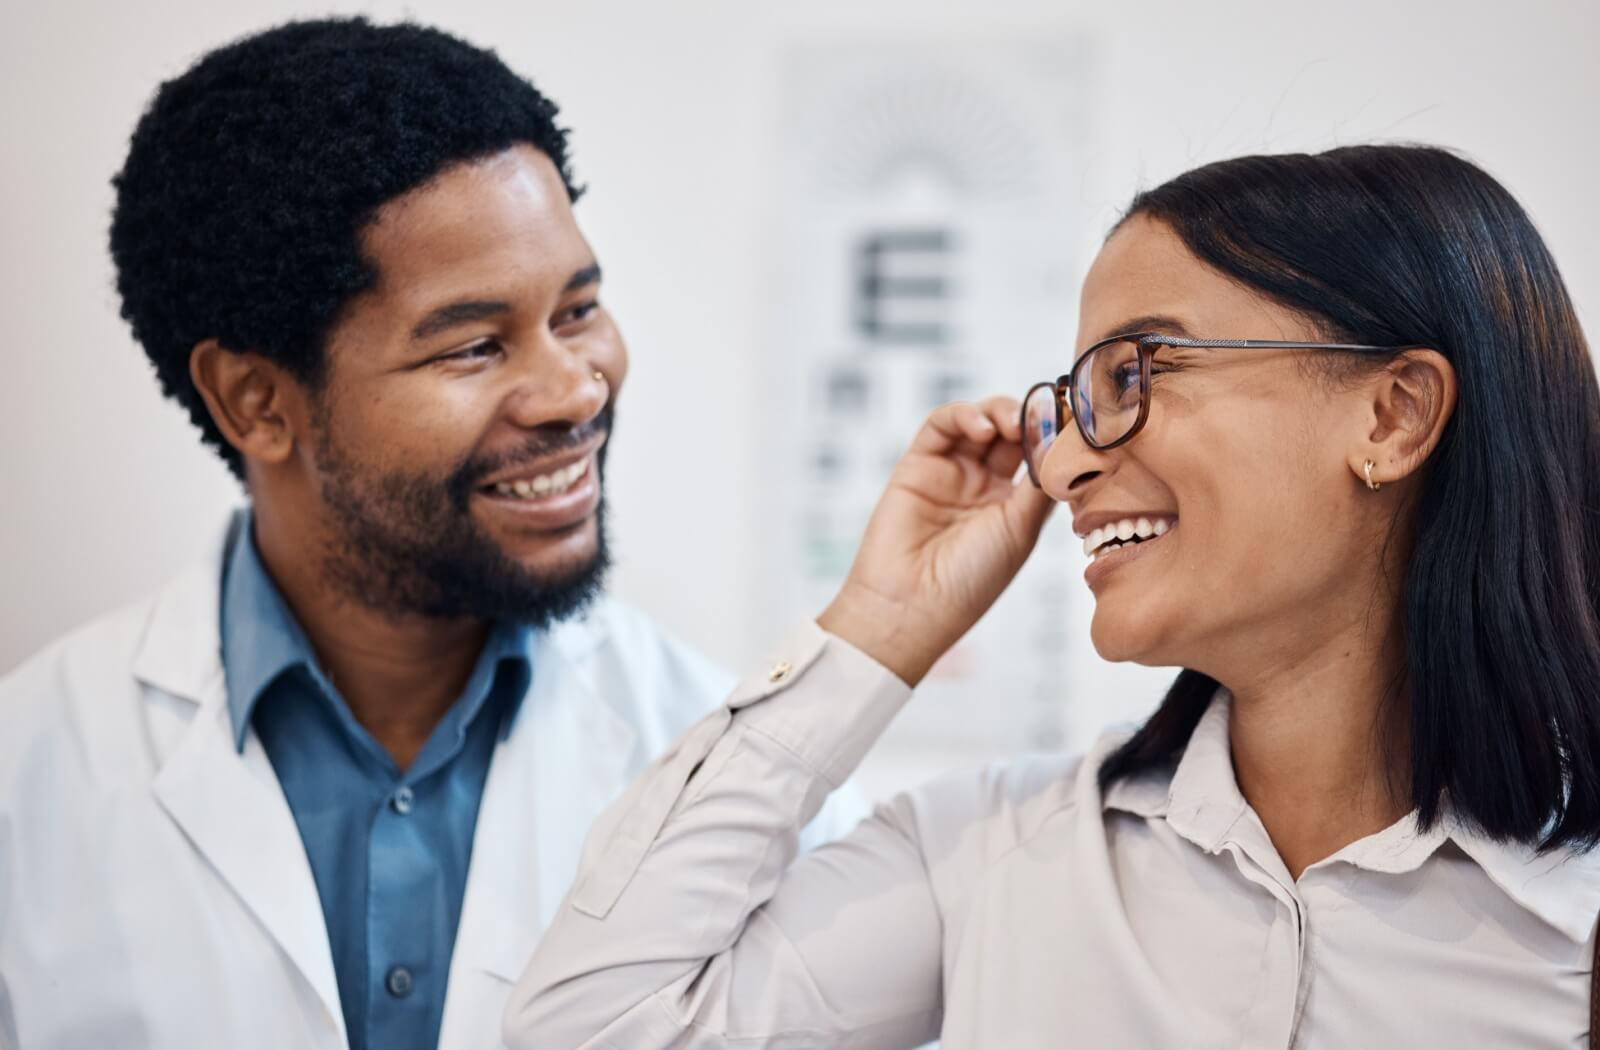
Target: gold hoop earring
{"x": 1373, "y": 485}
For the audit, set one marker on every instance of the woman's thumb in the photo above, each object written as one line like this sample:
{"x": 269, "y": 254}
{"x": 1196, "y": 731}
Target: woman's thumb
{"x": 1029, "y": 508}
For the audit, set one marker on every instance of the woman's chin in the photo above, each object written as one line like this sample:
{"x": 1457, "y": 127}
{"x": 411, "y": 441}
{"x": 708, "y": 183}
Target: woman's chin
{"x": 1122, "y": 640}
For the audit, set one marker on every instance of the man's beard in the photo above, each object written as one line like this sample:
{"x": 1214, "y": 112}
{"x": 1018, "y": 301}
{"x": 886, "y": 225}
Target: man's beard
{"x": 406, "y": 544}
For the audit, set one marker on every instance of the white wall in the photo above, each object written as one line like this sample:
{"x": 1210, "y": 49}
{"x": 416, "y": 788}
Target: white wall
{"x": 107, "y": 491}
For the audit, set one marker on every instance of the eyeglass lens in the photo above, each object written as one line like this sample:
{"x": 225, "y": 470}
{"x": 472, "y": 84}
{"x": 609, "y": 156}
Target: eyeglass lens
{"x": 1106, "y": 392}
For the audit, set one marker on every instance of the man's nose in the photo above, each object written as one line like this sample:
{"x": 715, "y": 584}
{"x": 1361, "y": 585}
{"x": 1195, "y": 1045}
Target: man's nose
{"x": 558, "y": 384}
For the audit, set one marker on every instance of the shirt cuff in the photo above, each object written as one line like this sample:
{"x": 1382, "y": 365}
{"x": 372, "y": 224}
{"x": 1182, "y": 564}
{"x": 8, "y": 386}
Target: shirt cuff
{"x": 839, "y": 702}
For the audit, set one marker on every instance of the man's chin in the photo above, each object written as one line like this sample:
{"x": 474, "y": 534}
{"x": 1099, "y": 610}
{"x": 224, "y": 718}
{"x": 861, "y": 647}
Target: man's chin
{"x": 555, "y": 558}
{"x": 558, "y": 552}
{"x": 556, "y": 571}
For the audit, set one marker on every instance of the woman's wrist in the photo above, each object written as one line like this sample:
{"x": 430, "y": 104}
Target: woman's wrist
{"x": 882, "y": 629}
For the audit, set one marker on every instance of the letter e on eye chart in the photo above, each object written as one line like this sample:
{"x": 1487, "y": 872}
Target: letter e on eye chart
{"x": 924, "y": 227}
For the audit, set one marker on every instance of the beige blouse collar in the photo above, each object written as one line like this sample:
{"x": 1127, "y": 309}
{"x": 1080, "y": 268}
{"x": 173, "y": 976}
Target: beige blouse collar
{"x": 1200, "y": 800}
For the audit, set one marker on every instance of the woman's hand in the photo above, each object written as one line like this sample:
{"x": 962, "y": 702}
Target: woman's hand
{"x": 947, "y": 536}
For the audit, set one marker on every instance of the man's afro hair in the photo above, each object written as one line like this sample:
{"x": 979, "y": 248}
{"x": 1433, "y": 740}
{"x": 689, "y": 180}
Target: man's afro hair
{"x": 251, "y": 176}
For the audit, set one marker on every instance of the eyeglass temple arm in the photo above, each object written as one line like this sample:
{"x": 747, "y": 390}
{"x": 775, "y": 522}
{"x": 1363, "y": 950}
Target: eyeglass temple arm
{"x": 1267, "y": 344}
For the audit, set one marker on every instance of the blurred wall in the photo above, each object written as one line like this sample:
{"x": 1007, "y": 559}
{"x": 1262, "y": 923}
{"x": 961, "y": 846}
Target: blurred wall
{"x": 107, "y": 491}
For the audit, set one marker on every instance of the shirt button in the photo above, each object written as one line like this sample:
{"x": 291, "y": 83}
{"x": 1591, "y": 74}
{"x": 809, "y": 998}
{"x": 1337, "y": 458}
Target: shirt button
{"x": 779, "y": 672}
{"x": 401, "y": 800}
{"x": 399, "y": 982}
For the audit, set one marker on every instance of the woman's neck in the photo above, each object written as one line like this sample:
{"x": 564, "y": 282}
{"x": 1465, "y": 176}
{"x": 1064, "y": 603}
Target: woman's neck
{"x": 1320, "y": 740}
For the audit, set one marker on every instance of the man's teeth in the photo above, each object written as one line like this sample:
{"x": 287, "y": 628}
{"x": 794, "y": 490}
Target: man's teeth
{"x": 545, "y": 484}
{"x": 1118, "y": 533}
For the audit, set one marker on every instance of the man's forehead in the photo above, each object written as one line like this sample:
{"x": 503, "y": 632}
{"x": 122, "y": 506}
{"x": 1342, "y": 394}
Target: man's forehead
{"x": 506, "y": 212}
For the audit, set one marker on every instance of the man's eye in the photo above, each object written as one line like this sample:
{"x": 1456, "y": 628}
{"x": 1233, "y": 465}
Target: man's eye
{"x": 580, "y": 312}
{"x": 476, "y": 352}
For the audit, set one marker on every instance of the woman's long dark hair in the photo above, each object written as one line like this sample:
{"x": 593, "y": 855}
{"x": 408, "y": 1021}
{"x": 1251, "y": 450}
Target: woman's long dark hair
{"x": 1500, "y": 603}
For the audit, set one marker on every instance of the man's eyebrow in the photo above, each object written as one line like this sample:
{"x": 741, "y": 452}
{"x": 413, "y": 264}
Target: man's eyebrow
{"x": 453, "y": 314}
{"x": 583, "y": 278}
{"x": 467, "y": 311}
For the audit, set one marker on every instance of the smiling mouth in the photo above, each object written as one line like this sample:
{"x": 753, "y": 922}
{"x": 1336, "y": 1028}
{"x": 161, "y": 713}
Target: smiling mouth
{"x": 1128, "y": 532}
{"x": 541, "y": 486}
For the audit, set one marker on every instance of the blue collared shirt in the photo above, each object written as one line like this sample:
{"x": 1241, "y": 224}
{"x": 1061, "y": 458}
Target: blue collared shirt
{"x": 389, "y": 850}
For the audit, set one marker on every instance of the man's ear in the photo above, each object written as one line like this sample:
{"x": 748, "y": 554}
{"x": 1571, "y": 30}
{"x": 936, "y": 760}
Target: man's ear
{"x": 252, "y": 401}
{"x": 1411, "y": 401}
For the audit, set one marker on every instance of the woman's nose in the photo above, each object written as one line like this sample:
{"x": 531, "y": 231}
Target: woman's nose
{"x": 1070, "y": 468}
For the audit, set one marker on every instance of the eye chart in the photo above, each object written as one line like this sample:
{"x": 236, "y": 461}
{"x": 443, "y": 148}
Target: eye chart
{"x": 925, "y": 229}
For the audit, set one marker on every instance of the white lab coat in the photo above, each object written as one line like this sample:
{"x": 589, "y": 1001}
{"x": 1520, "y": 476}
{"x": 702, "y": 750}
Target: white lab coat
{"x": 154, "y": 891}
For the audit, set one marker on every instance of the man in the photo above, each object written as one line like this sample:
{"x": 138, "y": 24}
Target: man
{"x": 326, "y": 789}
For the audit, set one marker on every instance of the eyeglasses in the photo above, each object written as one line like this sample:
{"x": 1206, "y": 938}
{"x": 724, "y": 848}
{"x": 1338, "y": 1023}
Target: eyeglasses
{"x": 1107, "y": 393}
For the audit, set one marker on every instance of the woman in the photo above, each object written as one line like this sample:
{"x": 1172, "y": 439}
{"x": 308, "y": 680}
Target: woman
{"x": 1363, "y": 814}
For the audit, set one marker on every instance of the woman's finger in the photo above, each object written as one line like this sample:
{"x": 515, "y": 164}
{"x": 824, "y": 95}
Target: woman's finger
{"x": 1003, "y": 458}
{"x": 1033, "y": 508}
{"x": 954, "y": 424}
{"x": 1006, "y": 414}
{"x": 942, "y": 430}
{"x": 976, "y": 424}
{"x": 979, "y": 423}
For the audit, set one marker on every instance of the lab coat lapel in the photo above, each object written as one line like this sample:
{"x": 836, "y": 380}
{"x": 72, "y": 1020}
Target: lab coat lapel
{"x": 228, "y": 804}
{"x": 564, "y": 759}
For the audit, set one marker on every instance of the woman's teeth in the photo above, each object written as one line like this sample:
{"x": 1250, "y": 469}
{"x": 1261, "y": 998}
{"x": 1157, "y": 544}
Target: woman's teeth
{"x": 545, "y": 484}
{"x": 1128, "y": 530}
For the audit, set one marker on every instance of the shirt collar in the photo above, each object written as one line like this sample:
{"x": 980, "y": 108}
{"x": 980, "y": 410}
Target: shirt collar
{"x": 1200, "y": 800}
{"x": 1562, "y": 887}
{"x": 260, "y": 637}
{"x": 261, "y": 640}
{"x": 504, "y": 670}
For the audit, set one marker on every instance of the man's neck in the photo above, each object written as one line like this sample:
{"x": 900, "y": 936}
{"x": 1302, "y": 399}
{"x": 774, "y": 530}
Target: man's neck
{"x": 1321, "y": 749}
{"x": 398, "y": 674}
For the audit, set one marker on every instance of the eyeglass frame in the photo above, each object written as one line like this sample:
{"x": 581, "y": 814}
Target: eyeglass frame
{"x": 1146, "y": 343}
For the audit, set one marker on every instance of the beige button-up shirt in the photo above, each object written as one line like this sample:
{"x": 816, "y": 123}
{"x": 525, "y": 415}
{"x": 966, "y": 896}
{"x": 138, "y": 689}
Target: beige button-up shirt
{"x": 1021, "y": 907}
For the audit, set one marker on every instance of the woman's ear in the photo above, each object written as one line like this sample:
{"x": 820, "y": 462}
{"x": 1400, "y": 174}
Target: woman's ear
{"x": 1411, "y": 401}
{"x": 247, "y": 397}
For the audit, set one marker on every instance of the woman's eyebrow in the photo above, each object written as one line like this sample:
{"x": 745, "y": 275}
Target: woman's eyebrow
{"x": 1166, "y": 324}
